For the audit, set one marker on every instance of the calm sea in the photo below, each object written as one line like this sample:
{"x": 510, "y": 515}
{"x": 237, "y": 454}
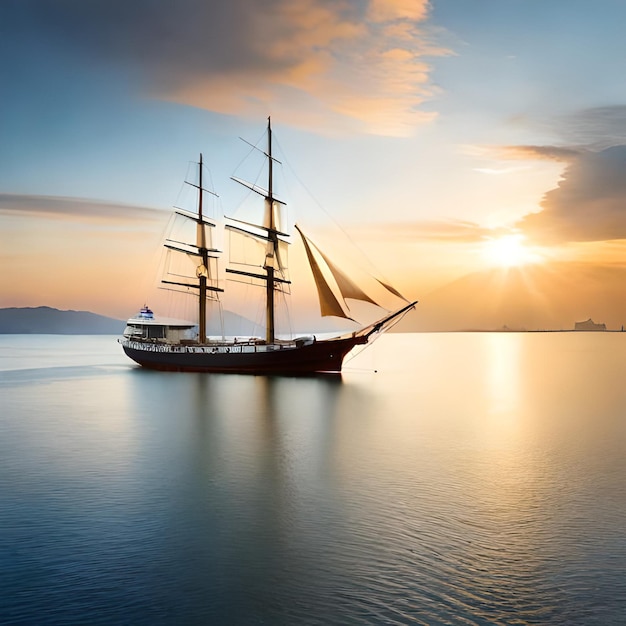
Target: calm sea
{"x": 470, "y": 479}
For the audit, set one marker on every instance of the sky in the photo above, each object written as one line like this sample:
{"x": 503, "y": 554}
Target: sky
{"x": 447, "y": 139}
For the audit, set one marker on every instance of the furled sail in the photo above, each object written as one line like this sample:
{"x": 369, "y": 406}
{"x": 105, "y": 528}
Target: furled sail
{"x": 184, "y": 261}
{"x": 191, "y": 260}
{"x": 245, "y": 247}
{"x": 251, "y": 252}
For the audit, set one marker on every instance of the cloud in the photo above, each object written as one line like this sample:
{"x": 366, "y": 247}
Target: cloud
{"x": 532, "y": 153}
{"x": 356, "y": 65}
{"x": 451, "y": 231}
{"x": 596, "y": 128}
{"x": 492, "y": 171}
{"x": 387, "y": 10}
{"x": 589, "y": 203}
{"x": 547, "y": 153}
{"x": 80, "y": 209}
{"x": 75, "y": 253}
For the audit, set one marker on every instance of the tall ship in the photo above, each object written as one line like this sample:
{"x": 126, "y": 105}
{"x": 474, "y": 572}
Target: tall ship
{"x": 168, "y": 344}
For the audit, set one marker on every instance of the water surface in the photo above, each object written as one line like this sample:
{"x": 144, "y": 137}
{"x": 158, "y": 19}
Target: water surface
{"x": 443, "y": 479}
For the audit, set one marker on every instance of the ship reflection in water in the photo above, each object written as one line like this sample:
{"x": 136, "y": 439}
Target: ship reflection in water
{"x": 475, "y": 479}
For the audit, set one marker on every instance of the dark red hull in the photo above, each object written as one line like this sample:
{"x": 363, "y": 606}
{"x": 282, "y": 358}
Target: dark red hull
{"x": 325, "y": 356}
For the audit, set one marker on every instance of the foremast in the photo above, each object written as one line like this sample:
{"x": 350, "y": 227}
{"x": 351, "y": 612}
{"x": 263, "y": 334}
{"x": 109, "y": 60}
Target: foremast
{"x": 202, "y": 251}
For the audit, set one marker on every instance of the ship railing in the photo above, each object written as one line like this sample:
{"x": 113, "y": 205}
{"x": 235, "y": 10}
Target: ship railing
{"x": 219, "y": 348}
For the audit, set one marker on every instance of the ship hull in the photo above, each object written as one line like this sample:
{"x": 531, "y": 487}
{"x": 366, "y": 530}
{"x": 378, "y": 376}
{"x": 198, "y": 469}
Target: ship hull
{"x": 324, "y": 356}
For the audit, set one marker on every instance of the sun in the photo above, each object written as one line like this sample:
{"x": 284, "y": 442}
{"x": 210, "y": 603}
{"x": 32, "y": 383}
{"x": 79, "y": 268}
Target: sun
{"x": 509, "y": 251}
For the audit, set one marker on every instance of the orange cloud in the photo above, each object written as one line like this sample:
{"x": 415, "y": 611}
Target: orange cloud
{"x": 344, "y": 75}
{"x": 526, "y": 153}
{"x": 342, "y": 65}
{"x": 388, "y": 10}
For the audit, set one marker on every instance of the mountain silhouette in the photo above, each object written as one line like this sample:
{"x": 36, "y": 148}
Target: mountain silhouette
{"x": 46, "y": 320}
{"x": 533, "y": 297}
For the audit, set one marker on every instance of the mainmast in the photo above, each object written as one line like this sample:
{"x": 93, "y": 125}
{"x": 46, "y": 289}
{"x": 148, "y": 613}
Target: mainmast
{"x": 272, "y": 266}
{"x": 272, "y": 243}
{"x": 202, "y": 270}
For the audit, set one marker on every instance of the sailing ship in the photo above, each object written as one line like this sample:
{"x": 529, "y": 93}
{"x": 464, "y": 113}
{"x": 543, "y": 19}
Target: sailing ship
{"x": 175, "y": 345}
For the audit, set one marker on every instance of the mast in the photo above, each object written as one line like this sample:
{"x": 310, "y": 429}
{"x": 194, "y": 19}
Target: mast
{"x": 202, "y": 270}
{"x": 202, "y": 281}
{"x": 272, "y": 268}
{"x": 272, "y": 244}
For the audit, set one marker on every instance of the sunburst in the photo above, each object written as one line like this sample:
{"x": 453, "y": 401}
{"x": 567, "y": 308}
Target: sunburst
{"x": 510, "y": 251}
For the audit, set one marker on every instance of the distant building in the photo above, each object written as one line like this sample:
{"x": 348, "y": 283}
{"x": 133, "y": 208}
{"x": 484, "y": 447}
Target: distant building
{"x": 589, "y": 325}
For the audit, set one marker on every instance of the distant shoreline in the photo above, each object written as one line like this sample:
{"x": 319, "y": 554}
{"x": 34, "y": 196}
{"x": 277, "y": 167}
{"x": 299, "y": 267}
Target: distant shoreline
{"x": 548, "y": 330}
{"x": 44, "y": 320}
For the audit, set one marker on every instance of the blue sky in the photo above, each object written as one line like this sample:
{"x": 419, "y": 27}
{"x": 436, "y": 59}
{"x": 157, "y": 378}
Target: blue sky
{"x": 426, "y": 129}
